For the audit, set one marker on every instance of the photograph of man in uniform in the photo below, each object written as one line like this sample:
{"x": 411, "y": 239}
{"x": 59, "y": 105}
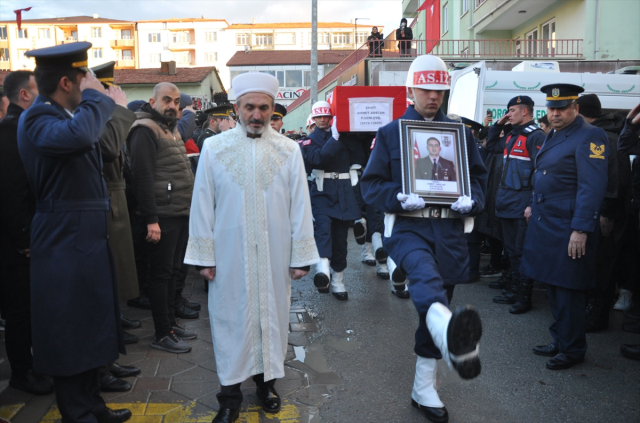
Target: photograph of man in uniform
{"x": 434, "y": 167}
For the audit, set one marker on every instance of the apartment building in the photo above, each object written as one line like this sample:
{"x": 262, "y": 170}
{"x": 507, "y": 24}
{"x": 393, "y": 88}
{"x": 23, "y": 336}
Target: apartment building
{"x": 112, "y": 39}
{"x": 189, "y": 42}
{"x": 527, "y": 29}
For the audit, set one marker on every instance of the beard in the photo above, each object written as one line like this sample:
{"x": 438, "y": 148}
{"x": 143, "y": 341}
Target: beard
{"x": 251, "y": 130}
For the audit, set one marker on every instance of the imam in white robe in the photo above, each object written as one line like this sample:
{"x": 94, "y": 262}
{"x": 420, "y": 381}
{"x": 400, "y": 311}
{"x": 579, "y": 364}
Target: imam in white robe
{"x": 251, "y": 219}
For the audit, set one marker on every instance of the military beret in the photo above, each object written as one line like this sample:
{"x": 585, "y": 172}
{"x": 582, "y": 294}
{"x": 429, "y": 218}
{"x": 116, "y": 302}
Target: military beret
{"x": 520, "y": 100}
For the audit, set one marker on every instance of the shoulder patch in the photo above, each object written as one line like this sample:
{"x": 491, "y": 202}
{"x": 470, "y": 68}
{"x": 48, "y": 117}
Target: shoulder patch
{"x": 305, "y": 142}
{"x": 373, "y": 143}
{"x": 598, "y": 151}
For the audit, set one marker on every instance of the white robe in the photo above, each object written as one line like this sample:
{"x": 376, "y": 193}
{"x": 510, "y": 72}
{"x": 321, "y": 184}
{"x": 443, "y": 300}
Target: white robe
{"x": 251, "y": 219}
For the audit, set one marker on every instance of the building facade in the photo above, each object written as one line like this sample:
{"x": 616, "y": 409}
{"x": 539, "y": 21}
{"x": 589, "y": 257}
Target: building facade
{"x": 111, "y": 39}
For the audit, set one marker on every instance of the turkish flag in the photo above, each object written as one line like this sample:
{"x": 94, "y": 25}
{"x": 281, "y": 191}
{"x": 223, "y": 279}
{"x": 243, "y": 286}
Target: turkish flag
{"x": 19, "y": 15}
{"x": 416, "y": 150}
{"x": 432, "y": 20}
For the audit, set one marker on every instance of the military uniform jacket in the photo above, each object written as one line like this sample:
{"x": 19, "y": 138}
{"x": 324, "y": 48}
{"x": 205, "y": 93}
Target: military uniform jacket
{"x": 381, "y": 183}
{"x": 445, "y": 170}
{"x": 337, "y": 199}
{"x": 203, "y": 136}
{"x": 569, "y": 184}
{"x": 519, "y": 150}
{"x": 74, "y": 296}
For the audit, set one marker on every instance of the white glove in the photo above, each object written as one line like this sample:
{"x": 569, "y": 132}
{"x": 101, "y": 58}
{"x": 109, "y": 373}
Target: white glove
{"x": 463, "y": 205}
{"x": 411, "y": 201}
{"x": 334, "y": 129}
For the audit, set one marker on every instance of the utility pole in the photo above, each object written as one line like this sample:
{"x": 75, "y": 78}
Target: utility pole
{"x": 314, "y": 51}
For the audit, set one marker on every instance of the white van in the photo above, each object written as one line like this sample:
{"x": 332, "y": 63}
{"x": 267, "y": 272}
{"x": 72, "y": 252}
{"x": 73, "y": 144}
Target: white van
{"x": 476, "y": 90}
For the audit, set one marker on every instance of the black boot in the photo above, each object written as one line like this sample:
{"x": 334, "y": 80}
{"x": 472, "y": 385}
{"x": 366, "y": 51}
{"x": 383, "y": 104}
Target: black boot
{"x": 503, "y": 282}
{"x": 510, "y": 294}
{"x": 524, "y": 297}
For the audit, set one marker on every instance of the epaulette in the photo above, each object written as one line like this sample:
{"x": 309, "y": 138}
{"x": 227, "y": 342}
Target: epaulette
{"x": 531, "y": 128}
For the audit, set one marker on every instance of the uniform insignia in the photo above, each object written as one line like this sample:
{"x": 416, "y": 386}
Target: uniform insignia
{"x": 306, "y": 142}
{"x": 555, "y": 92}
{"x": 446, "y": 141}
{"x": 598, "y": 151}
{"x": 518, "y": 100}
{"x": 373, "y": 143}
{"x": 519, "y": 143}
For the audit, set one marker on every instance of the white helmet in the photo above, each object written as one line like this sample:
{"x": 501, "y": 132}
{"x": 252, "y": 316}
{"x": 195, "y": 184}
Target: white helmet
{"x": 321, "y": 108}
{"x": 310, "y": 121}
{"x": 429, "y": 73}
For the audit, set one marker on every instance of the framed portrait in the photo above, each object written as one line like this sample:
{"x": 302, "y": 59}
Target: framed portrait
{"x": 434, "y": 158}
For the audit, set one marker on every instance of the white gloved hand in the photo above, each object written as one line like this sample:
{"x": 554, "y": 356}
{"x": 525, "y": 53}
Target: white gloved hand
{"x": 463, "y": 205}
{"x": 334, "y": 129}
{"x": 410, "y": 202}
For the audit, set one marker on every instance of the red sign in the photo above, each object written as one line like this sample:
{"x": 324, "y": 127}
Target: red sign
{"x": 431, "y": 77}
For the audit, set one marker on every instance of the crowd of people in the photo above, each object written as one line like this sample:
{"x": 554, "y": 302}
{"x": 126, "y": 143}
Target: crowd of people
{"x": 109, "y": 201}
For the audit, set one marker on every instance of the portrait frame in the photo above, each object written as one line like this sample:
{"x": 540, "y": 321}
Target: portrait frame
{"x": 451, "y": 179}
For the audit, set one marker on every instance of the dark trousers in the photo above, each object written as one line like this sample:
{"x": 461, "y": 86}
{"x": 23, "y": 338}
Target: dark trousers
{"x": 627, "y": 264}
{"x": 405, "y": 48}
{"x": 495, "y": 245}
{"x": 15, "y": 302}
{"x": 165, "y": 261}
{"x": 181, "y": 277}
{"x": 331, "y": 240}
{"x": 569, "y": 327}
{"x": 513, "y": 235}
{"x": 231, "y": 396}
{"x": 375, "y": 219}
{"x": 474, "y": 239}
{"x": 78, "y": 396}
{"x": 139, "y": 235}
{"x": 609, "y": 248}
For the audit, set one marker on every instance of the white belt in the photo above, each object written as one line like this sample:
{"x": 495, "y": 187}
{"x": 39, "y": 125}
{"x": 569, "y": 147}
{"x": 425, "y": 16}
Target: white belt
{"x": 319, "y": 176}
{"x": 429, "y": 213}
{"x": 336, "y": 175}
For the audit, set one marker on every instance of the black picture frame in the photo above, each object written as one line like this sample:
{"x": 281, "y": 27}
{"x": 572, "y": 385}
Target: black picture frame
{"x": 449, "y": 179}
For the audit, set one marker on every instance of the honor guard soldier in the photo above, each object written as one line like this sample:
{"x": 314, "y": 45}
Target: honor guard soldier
{"x": 219, "y": 121}
{"x": 569, "y": 184}
{"x": 519, "y": 152}
{"x": 428, "y": 243}
{"x": 333, "y": 201}
{"x": 276, "y": 118}
{"x": 72, "y": 271}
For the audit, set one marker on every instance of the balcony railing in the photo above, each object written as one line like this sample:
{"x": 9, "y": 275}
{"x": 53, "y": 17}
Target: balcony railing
{"x": 126, "y": 62}
{"x": 182, "y": 45}
{"x": 122, "y": 42}
{"x": 4, "y": 43}
{"x": 479, "y": 49}
{"x": 68, "y": 40}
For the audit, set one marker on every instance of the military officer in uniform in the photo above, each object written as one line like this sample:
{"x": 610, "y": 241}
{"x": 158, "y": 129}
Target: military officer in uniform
{"x": 333, "y": 202}
{"x": 428, "y": 243}
{"x": 276, "y": 118}
{"x": 434, "y": 167}
{"x": 519, "y": 152}
{"x": 569, "y": 184}
{"x": 72, "y": 270}
{"x": 220, "y": 118}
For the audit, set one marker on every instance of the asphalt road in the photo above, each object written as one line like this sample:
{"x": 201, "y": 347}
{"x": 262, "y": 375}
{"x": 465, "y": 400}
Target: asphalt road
{"x": 368, "y": 342}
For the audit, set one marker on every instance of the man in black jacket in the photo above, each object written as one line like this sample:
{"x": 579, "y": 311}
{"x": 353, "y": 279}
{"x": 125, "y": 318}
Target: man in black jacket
{"x": 376, "y": 42}
{"x": 16, "y": 212}
{"x": 404, "y": 34}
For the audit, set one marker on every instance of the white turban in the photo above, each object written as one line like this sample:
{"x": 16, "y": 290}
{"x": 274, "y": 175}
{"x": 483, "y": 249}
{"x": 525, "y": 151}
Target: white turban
{"x": 255, "y": 82}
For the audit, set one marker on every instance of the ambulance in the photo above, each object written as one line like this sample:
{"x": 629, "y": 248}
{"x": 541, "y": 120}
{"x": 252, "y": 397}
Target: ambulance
{"x": 477, "y": 91}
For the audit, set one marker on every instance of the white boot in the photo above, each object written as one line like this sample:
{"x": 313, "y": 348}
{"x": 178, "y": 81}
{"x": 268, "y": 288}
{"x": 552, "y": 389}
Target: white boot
{"x": 360, "y": 230}
{"x": 382, "y": 271}
{"x": 424, "y": 383}
{"x": 456, "y": 336}
{"x": 398, "y": 277}
{"x": 378, "y": 249}
{"x": 624, "y": 300}
{"x": 367, "y": 254}
{"x": 337, "y": 286}
{"x": 322, "y": 277}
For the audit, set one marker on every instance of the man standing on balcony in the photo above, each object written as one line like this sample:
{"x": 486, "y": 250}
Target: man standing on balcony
{"x": 376, "y": 42}
{"x": 404, "y": 35}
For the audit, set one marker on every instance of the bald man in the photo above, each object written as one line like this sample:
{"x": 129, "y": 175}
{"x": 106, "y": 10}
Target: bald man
{"x": 162, "y": 183}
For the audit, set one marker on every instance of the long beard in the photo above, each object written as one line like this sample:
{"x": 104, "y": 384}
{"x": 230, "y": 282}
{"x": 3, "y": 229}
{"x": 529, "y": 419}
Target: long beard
{"x": 250, "y": 130}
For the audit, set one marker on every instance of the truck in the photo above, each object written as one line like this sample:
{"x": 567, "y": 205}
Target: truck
{"x": 477, "y": 90}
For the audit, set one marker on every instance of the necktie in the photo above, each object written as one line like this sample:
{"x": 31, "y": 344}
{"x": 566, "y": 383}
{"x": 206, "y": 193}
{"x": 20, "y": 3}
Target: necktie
{"x": 434, "y": 170}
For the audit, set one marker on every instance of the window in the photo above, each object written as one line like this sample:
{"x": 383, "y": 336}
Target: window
{"x": 323, "y": 38}
{"x": 263, "y": 40}
{"x": 3, "y": 32}
{"x": 210, "y": 36}
{"x": 22, "y": 33}
{"x": 285, "y": 38}
{"x": 44, "y": 33}
{"x": 183, "y": 57}
{"x": 465, "y": 6}
{"x": 96, "y": 32}
{"x": 268, "y": 72}
{"x": 125, "y": 34}
{"x": 532, "y": 43}
{"x": 127, "y": 55}
{"x": 181, "y": 37}
{"x": 211, "y": 56}
{"x": 233, "y": 74}
{"x": 242, "y": 39}
{"x": 361, "y": 38}
{"x": 293, "y": 78}
{"x": 445, "y": 18}
{"x": 479, "y": 2}
{"x": 342, "y": 38}
{"x": 280, "y": 76}
{"x": 4, "y": 54}
{"x": 154, "y": 37}
{"x": 96, "y": 53}
{"x": 549, "y": 34}
{"x": 154, "y": 58}
{"x": 518, "y": 46}
{"x": 74, "y": 35}
{"x": 306, "y": 75}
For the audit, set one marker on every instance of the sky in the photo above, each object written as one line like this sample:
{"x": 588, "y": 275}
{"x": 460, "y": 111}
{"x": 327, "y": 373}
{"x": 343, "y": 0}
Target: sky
{"x": 379, "y": 12}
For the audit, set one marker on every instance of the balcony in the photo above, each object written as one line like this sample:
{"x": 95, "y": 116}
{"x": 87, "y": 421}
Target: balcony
{"x": 122, "y": 42}
{"x": 126, "y": 62}
{"x": 181, "y": 46}
{"x": 4, "y": 43}
{"x": 68, "y": 40}
{"x": 484, "y": 49}
{"x": 262, "y": 47}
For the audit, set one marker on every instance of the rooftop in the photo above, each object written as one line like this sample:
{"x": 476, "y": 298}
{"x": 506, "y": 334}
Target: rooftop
{"x": 153, "y": 76}
{"x": 287, "y": 57}
{"x": 185, "y": 20}
{"x": 297, "y": 25}
{"x": 69, "y": 20}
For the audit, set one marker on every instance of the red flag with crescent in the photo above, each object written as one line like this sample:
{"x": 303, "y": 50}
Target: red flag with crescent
{"x": 19, "y": 15}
